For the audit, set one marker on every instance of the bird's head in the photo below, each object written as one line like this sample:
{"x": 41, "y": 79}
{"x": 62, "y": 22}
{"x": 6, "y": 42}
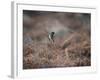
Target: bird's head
{"x": 53, "y": 33}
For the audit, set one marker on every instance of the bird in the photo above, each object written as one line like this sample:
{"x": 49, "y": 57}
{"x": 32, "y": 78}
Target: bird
{"x": 51, "y": 37}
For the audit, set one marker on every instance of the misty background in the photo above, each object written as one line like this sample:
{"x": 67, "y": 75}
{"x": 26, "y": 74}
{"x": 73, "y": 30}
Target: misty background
{"x": 71, "y": 41}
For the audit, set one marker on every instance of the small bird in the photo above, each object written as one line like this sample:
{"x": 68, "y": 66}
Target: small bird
{"x": 51, "y": 36}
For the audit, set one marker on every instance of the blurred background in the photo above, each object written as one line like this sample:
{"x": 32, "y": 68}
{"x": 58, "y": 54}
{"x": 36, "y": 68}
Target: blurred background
{"x": 72, "y": 39}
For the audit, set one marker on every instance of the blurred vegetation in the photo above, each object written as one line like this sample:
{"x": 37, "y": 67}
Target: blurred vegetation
{"x": 72, "y": 41}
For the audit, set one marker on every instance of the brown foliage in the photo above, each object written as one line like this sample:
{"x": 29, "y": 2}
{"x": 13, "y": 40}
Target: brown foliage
{"x": 71, "y": 47}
